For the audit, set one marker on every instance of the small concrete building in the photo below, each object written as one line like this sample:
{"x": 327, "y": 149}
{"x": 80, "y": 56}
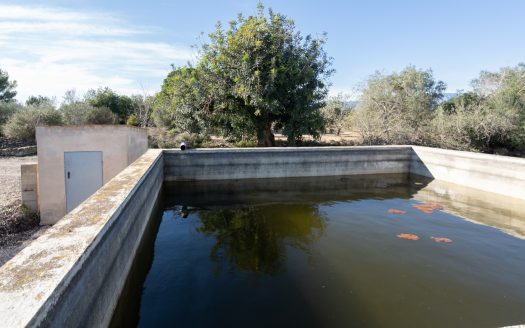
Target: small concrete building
{"x": 75, "y": 161}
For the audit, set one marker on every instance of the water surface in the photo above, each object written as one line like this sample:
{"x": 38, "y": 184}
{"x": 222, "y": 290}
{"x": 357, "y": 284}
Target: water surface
{"x": 325, "y": 252}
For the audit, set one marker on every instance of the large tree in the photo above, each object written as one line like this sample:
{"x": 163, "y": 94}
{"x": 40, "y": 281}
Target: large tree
{"x": 257, "y": 75}
{"x": 181, "y": 104}
{"x": 7, "y": 88}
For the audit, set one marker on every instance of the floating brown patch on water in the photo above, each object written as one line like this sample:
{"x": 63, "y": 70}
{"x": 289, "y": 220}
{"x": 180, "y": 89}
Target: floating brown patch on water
{"x": 441, "y": 240}
{"x": 396, "y": 211}
{"x": 408, "y": 236}
{"x": 428, "y": 208}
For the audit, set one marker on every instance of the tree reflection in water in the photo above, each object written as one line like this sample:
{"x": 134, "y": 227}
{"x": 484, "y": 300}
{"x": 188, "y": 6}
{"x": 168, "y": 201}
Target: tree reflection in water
{"x": 255, "y": 238}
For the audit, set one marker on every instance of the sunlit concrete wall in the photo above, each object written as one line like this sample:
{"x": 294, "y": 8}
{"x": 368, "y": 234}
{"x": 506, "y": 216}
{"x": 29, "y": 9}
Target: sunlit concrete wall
{"x": 120, "y": 146}
{"x": 491, "y": 173}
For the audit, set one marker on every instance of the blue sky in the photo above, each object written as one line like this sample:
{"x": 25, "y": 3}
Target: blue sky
{"x": 51, "y": 46}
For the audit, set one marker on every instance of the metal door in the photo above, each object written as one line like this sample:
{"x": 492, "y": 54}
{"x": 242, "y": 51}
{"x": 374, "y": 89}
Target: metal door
{"x": 83, "y": 172}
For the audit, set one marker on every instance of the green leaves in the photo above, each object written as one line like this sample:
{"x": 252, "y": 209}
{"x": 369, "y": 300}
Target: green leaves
{"x": 257, "y": 74}
{"x": 7, "y": 87}
{"x": 395, "y": 108}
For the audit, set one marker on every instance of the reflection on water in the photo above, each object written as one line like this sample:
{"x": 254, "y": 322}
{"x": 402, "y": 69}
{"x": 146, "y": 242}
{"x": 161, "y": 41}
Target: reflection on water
{"x": 254, "y": 238}
{"x": 325, "y": 252}
{"x": 505, "y": 213}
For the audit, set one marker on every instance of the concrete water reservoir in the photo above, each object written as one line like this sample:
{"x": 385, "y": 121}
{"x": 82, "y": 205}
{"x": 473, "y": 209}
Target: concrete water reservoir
{"x": 75, "y": 273}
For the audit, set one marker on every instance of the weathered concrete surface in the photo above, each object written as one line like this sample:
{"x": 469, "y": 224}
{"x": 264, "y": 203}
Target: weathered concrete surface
{"x": 120, "y": 146}
{"x": 492, "y": 173}
{"x": 73, "y": 274}
{"x": 221, "y": 164}
{"x": 29, "y": 185}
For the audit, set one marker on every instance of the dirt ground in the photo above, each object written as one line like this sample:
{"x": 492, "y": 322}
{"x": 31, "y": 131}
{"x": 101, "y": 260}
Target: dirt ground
{"x": 10, "y": 178}
{"x": 344, "y": 138}
{"x": 10, "y": 196}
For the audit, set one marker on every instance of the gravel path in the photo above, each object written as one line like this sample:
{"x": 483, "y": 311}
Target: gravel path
{"x": 10, "y": 193}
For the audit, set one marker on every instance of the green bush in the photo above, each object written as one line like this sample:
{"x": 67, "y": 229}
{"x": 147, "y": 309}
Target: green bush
{"x": 23, "y": 122}
{"x": 76, "y": 113}
{"x": 133, "y": 120}
{"x": 101, "y": 115}
{"x": 7, "y": 109}
{"x": 395, "y": 108}
{"x": 473, "y": 128}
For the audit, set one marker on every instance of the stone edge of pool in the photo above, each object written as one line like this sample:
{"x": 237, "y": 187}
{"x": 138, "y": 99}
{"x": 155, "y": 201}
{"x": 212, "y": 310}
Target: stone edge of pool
{"x": 74, "y": 273}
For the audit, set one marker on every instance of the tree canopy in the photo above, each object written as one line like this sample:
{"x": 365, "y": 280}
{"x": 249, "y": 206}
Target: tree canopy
{"x": 120, "y": 105}
{"x": 259, "y": 74}
{"x": 7, "y": 87}
{"x": 394, "y": 108}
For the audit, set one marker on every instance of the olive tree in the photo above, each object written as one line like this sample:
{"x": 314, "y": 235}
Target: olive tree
{"x": 504, "y": 93}
{"x": 336, "y": 113}
{"x": 396, "y": 108}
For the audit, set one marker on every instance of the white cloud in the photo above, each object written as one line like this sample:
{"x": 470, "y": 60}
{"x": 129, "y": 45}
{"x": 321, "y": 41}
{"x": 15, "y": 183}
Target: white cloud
{"x": 51, "y": 50}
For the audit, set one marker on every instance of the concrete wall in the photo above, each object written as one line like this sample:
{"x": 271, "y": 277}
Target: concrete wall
{"x": 137, "y": 143}
{"x": 120, "y": 146}
{"x": 492, "y": 173}
{"x": 220, "y": 164}
{"x": 29, "y": 185}
{"x": 74, "y": 273}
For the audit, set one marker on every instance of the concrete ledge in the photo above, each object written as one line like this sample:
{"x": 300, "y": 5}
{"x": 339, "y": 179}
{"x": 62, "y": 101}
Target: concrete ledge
{"x": 74, "y": 273}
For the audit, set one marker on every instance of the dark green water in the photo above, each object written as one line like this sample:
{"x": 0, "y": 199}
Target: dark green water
{"x": 321, "y": 252}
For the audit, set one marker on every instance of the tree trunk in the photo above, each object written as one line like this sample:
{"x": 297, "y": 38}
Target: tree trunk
{"x": 265, "y": 137}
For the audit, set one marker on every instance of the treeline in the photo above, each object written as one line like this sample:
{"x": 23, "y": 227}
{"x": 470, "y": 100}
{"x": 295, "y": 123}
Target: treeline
{"x": 409, "y": 108}
{"x": 261, "y": 76}
{"x": 101, "y": 106}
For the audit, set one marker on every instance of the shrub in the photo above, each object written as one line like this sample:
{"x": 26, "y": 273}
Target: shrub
{"x": 470, "y": 128}
{"x": 336, "y": 112}
{"x": 76, "y": 113}
{"x": 133, "y": 120}
{"x": 7, "y": 109}
{"x": 23, "y": 123}
{"x": 101, "y": 115}
{"x": 395, "y": 108}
